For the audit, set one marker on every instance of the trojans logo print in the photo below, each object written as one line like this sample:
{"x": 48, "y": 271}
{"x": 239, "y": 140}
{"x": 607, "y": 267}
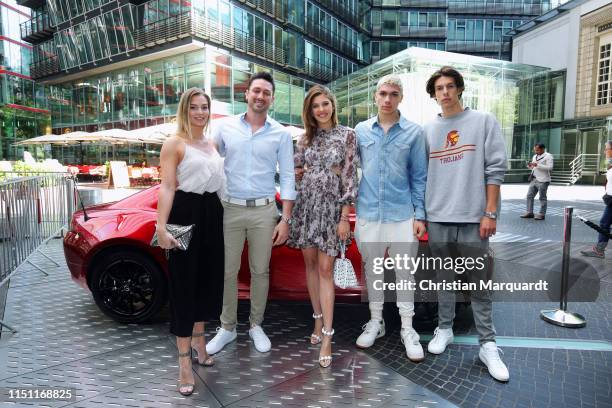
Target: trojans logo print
{"x": 452, "y": 150}
{"x": 451, "y": 139}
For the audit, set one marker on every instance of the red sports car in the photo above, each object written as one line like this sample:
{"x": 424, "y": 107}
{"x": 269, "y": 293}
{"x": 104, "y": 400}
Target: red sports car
{"x": 108, "y": 251}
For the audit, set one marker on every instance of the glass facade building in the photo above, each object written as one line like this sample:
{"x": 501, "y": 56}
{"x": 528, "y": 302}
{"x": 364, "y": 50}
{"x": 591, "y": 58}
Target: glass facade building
{"x": 23, "y": 108}
{"x": 125, "y": 63}
{"x": 476, "y": 27}
{"x": 495, "y": 86}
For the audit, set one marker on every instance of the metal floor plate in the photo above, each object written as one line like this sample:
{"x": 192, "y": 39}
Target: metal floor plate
{"x": 65, "y": 341}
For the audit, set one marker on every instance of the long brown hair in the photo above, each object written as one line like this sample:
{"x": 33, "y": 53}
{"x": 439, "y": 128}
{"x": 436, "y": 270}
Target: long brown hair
{"x": 310, "y": 123}
{"x": 183, "y": 123}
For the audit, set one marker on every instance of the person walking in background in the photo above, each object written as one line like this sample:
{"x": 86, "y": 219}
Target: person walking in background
{"x": 327, "y": 153}
{"x": 192, "y": 179}
{"x": 253, "y": 145}
{"x": 598, "y": 250}
{"x": 390, "y": 205}
{"x": 541, "y": 165}
{"x": 467, "y": 164}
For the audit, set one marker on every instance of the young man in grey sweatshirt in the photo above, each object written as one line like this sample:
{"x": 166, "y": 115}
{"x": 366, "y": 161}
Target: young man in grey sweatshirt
{"x": 467, "y": 162}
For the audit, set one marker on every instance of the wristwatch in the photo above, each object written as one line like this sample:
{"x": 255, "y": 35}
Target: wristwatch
{"x": 490, "y": 214}
{"x": 286, "y": 220}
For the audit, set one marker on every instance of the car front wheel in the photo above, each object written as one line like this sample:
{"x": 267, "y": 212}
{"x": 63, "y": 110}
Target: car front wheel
{"x": 128, "y": 286}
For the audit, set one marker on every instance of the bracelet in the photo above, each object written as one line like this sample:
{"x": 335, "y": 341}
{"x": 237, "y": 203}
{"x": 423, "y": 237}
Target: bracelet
{"x": 344, "y": 218}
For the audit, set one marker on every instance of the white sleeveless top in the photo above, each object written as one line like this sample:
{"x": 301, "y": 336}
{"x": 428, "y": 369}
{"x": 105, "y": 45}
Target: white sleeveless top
{"x": 201, "y": 171}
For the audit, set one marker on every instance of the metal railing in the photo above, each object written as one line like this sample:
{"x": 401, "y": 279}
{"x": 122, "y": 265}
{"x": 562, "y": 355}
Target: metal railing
{"x": 424, "y": 3}
{"x": 496, "y": 7}
{"x": 518, "y": 167}
{"x": 275, "y": 9}
{"x": 339, "y": 9}
{"x": 37, "y": 28}
{"x": 320, "y": 71}
{"x": 196, "y": 24}
{"x": 583, "y": 164}
{"x": 34, "y": 207}
{"x": 330, "y": 38}
{"x": 45, "y": 67}
{"x": 477, "y": 46}
{"x": 423, "y": 32}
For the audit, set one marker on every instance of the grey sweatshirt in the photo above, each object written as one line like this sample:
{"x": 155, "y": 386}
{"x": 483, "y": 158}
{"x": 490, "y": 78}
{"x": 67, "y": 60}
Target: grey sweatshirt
{"x": 466, "y": 152}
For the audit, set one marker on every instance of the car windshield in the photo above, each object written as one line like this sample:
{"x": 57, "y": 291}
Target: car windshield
{"x": 145, "y": 199}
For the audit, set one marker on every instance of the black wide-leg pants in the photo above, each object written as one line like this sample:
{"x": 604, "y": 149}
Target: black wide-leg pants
{"x": 196, "y": 275}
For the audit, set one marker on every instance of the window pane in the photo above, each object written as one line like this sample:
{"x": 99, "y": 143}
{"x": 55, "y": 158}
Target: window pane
{"x": 390, "y": 24}
{"x": 240, "y": 80}
{"x": 414, "y": 18}
{"x": 478, "y": 30}
{"x": 220, "y": 80}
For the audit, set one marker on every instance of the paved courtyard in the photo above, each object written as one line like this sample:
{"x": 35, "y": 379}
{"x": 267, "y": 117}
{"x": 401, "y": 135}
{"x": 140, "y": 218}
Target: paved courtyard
{"x": 65, "y": 341}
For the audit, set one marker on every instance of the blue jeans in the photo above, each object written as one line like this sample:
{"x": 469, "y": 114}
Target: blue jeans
{"x": 604, "y": 222}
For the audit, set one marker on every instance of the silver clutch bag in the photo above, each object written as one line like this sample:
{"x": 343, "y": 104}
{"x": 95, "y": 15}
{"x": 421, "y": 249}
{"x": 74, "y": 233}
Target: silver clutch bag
{"x": 182, "y": 234}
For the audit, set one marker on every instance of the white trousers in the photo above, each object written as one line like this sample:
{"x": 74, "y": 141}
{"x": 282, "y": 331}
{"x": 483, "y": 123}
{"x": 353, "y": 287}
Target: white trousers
{"x": 376, "y": 239}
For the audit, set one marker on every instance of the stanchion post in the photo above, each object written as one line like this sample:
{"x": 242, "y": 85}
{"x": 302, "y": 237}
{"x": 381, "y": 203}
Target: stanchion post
{"x": 568, "y": 212}
{"x": 71, "y": 198}
{"x": 561, "y": 317}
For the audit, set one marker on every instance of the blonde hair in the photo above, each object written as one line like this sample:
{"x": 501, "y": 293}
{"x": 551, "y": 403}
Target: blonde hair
{"x": 310, "y": 123}
{"x": 391, "y": 79}
{"x": 183, "y": 123}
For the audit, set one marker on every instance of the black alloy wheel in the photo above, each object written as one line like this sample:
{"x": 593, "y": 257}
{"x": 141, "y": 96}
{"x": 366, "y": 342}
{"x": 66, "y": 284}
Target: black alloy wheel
{"x": 128, "y": 286}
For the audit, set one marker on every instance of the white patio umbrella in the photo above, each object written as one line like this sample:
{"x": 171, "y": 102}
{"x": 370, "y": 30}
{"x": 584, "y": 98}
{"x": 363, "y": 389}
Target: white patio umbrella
{"x": 115, "y": 136}
{"x": 65, "y": 139}
{"x": 155, "y": 134}
{"x": 70, "y": 138}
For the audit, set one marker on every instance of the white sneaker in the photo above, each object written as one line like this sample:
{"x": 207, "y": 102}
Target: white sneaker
{"x": 262, "y": 342}
{"x": 441, "y": 339}
{"x": 372, "y": 330}
{"x": 489, "y": 355}
{"x": 221, "y": 339}
{"x": 414, "y": 350}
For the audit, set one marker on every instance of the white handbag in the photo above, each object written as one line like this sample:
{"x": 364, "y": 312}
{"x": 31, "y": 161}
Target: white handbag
{"x": 344, "y": 274}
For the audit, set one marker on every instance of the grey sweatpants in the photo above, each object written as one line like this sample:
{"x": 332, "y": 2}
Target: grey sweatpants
{"x": 443, "y": 240}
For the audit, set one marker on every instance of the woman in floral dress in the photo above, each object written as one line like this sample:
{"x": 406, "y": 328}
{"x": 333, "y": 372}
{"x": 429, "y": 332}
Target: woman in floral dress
{"x": 325, "y": 157}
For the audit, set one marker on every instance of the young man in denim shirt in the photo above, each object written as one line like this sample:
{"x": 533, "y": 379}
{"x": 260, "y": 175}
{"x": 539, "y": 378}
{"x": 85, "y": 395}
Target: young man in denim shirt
{"x": 390, "y": 206}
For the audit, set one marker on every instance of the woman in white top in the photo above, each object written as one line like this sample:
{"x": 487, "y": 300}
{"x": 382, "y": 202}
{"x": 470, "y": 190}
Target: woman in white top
{"x": 192, "y": 178}
{"x": 598, "y": 250}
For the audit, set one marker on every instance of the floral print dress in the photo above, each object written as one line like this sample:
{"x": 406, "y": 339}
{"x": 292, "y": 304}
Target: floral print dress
{"x": 328, "y": 183}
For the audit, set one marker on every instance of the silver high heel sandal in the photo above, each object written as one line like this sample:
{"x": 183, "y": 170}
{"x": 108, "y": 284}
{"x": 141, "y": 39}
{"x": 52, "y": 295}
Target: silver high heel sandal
{"x": 325, "y": 361}
{"x": 186, "y": 389}
{"x": 315, "y": 338}
{"x": 209, "y": 361}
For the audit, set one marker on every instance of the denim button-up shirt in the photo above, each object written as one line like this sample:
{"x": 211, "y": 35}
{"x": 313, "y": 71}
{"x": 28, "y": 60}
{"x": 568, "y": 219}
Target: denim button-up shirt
{"x": 251, "y": 158}
{"x": 394, "y": 171}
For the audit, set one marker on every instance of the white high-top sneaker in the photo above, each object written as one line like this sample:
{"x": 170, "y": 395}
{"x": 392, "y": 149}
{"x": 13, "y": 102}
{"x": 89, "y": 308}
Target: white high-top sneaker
{"x": 489, "y": 355}
{"x": 372, "y": 330}
{"x": 261, "y": 341}
{"x": 414, "y": 350}
{"x": 221, "y": 339}
{"x": 441, "y": 339}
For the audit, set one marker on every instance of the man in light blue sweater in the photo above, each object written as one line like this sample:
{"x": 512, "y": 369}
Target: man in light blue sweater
{"x": 467, "y": 162}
